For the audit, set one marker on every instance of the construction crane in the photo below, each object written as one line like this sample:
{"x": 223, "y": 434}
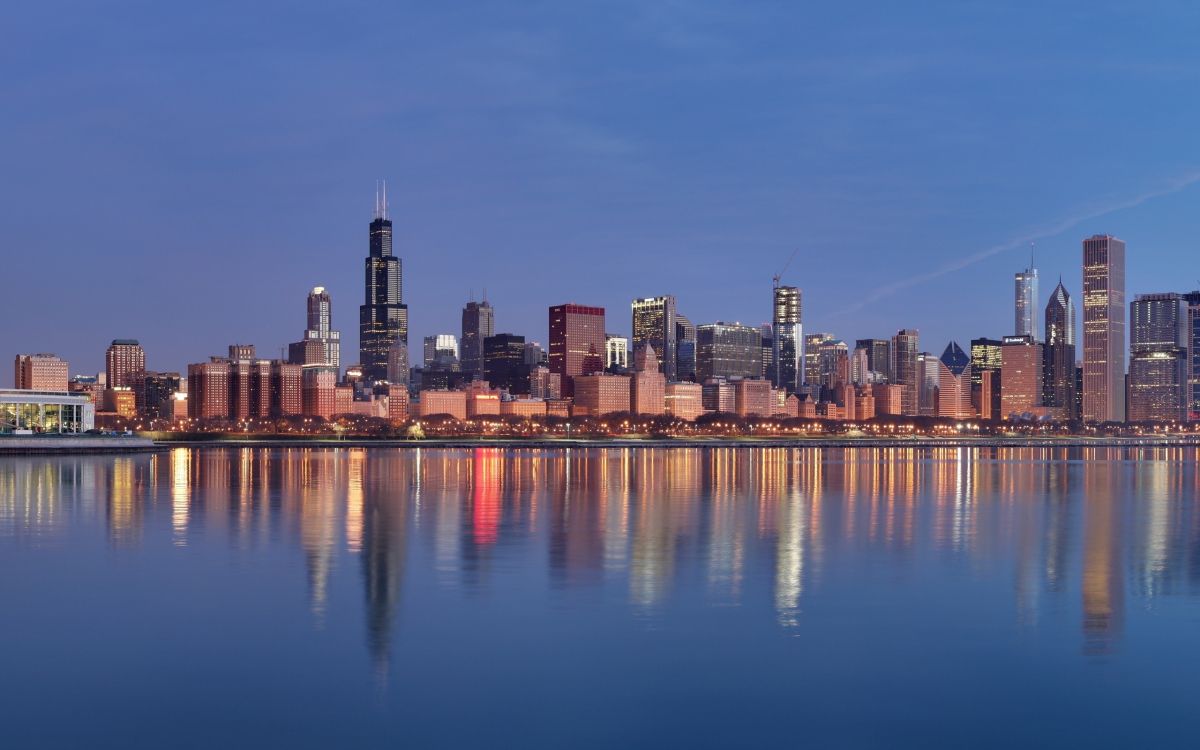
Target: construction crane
{"x": 775, "y": 279}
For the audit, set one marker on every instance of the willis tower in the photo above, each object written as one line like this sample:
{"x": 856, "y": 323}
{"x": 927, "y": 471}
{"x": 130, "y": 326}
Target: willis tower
{"x": 383, "y": 317}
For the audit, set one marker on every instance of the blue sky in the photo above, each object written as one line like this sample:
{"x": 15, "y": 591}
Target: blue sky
{"x": 183, "y": 173}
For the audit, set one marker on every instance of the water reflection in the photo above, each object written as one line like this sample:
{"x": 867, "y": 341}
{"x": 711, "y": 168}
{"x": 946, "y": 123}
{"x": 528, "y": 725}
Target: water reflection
{"x": 742, "y": 526}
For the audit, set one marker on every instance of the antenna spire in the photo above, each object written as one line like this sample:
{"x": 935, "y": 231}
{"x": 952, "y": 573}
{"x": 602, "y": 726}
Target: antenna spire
{"x": 383, "y": 214}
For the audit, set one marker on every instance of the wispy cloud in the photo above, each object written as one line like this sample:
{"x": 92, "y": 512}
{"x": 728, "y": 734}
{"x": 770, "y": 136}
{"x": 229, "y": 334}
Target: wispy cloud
{"x": 1051, "y": 230}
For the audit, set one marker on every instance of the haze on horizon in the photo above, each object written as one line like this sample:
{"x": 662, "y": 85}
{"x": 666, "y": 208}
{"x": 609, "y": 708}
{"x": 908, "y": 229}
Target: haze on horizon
{"x": 184, "y": 174}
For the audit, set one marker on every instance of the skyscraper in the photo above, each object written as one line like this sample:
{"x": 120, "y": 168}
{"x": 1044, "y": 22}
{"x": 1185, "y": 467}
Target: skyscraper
{"x": 787, "y": 322}
{"x": 1026, "y": 301}
{"x": 124, "y": 358}
{"x": 40, "y": 372}
{"x": 685, "y": 348}
{"x": 383, "y": 317}
{"x": 985, "y": 357}
{"x": 878, "y": 355}
{"x": 1103, "y": 329}
{"x": 398, "y": 366}
{"x": 1021, "y": 362}
{"x": 1158, "y": 347}
{"x": 954, "y": 384}
{"x": 504, "y": 362}
{"x": 811, "y": 360}
{"x": 616, "y": 352}
{"x": 577, "y": 342}
{"x": 320, "y": 345}
{"x": 728, "y": 350}
{"x": 1058, "y": 377}
{"x": 654, "y": 324}
{"x": 905, "y": 347}
{"x": 1193, "y": 302}
{"x": 929, "y": 377}
{"x": 478, "y": 322}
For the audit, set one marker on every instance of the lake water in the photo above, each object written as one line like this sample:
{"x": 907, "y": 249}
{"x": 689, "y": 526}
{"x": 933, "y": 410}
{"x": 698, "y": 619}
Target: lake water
{"x": 601, "y": 598}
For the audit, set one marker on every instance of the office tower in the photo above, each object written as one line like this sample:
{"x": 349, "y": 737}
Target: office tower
{"x": 954, "y": 384}
{"x": 544, "y": 384}
{"x": 534, "y": 354}
{"x": 903, "y": 364}
{"x": 504, "y": 362}
{"x": 478, "y": 322}
{"x": 577, "y": 343}
{"x": 787, "y": 339}
{"x": 728, "y": 350}
{"x": 833, "y": 367}
{"x": 398, "y": 368}
{"x": 985, "y": 357}
{"x": 860, "y": 369}
{"x": 1059, "y": 367}
{"x": 1193, "y": 331}
{"x": 753, "y": 398}
{"x": 441, "y": 352}
{"x": 320, "y": 345}
{"x": 1103, "y": 329}
{"x": 929, "y": 371}
{"x": 1026, "y": 301}
{"x": 318, "y": 391}
{"x": 812, "y": 357}
{"x": 1158, "y": 364}
{"x": 383, "y": 316}
{"x": 154, "y": 396}
{"x": 598, "y": 393}
{"x": 878, "y": 355}
{"x": 685, "y": 348}
{"x": 1020, "y": 377}
{"x": 40, "y": 372}
{"x": 718, "y": 395}
{"x": 654, "y": 324}
{"x": 616, "y": 352}
{"x": 123, "y": 358}
{"x": 768, "y": 350}
{"x": 648, "y": 386}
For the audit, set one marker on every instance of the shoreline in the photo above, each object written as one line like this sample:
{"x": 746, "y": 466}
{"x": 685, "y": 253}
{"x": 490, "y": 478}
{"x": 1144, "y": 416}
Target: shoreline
{"x": 147, "y": 443}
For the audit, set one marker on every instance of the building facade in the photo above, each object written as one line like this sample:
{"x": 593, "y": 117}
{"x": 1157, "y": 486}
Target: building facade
{"x": 122, "y": 361}
{"x": 1020, "y": 378}
{"x": 1103, "y": 329}
{"x": 40, "y": 372}
{"x": 654, "y": 321}
{"x": 1158, "y": 364}
{"x": 954, "y": 384}
{"x": 1025, "y": 303}
{"x": 383, "y": 316}
{"x": 787, "y": 339}
{"x": 728, "y": 350}
{"x": 1058, "y": 376}
{"x": 577, "y": 342}
{"x": 904, "y": 350}
{"x": 478, "y": 322}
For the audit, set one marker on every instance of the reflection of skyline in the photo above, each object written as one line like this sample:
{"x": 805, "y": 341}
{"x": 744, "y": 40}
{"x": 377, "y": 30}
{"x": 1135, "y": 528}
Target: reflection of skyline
{"x": 780, "y": 522}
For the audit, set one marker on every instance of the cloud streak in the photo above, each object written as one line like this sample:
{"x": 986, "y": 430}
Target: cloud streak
{"x": 1172, "y": 186}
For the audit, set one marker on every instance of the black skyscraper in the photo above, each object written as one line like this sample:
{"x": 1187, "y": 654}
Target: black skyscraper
{"x": 383, "y": 317}
{"x": 1058, "y": 364}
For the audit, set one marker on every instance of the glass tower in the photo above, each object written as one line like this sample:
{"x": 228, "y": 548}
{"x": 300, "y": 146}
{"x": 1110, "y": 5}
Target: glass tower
{"x": 787, "y": 320}
{"x": 383, "y": 316}
{"x": 1103, "y": 329}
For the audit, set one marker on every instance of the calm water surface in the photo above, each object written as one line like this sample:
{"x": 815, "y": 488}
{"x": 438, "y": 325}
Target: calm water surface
{"x": 601, "y": 598}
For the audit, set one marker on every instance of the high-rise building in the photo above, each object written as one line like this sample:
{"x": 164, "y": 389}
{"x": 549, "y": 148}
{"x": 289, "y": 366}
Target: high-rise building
{"x": 1158, "y": 365}
{"x": 1193, "y": 331}
{"x": 124, "y": 358}
{"x": 654, "y": 325}
{"x": 154, "y": 396}
{"x": 986, "y": 357}
{"x": 929, "y": 374}
{"x": 598, "y": 393}
{"x": 478, "y": 322}
{"x": 1026, "y": 301}
{"x": 40, "y": 372}
{"x": 787, "y": 340}
{"x": 1058, "y": 376}
{"x": 398, "y": 367}
{"x": 685, "y": 348}
{"x": 768, "y": 351}
{"x": 383, "y": 316}
{"x": 728, "y": 350}
{"x": 812, "y": 358}
{"x": 577, "y": 344}
{"x": 504, "y": 362}
{"x": 904, "y": 350}
{"x": 320, "y": 345}
{"x": 878, "y": 355}
{"x": 616, "y": 352}
{"x": 954, "y": 384}
{"x": 1103, "y": 329}
{"x": 1020, "y": 377}
{"x": 648, "y": 386}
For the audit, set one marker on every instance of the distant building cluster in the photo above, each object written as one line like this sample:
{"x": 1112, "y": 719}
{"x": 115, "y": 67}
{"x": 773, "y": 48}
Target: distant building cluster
{"x": 668, "y": 366}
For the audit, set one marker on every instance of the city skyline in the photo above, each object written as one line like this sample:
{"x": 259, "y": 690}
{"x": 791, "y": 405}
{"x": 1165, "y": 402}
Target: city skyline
{"x": 768, "y": 146}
